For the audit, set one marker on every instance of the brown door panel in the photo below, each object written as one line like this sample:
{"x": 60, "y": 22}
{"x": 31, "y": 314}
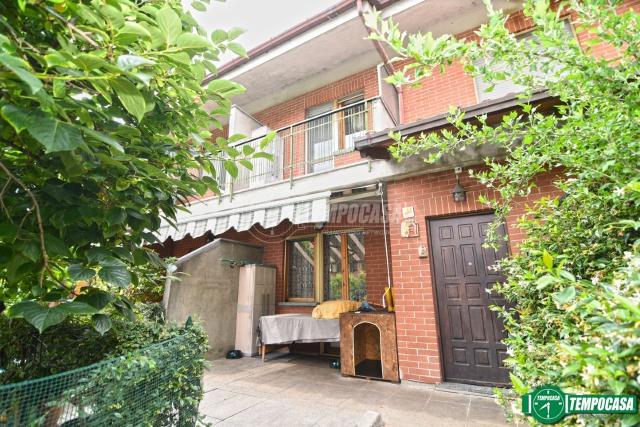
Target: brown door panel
{"x": 470, "y": 332}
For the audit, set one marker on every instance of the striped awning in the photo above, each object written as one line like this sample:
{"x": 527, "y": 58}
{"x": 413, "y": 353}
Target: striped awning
{"x": 299, "y": 210}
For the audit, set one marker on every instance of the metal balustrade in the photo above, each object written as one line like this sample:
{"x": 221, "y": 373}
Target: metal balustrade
{"x": 315, "y": 145}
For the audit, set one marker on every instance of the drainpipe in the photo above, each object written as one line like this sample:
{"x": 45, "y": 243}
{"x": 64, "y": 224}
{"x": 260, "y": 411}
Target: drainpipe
{"x": 385, "y": 60}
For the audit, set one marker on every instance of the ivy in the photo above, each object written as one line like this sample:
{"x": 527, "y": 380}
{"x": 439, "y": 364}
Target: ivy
{"x": 102, "y": 128}
{"x": 572, "y": 318}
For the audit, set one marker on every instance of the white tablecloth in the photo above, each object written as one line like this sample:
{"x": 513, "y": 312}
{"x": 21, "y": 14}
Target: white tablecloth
{"x": 302, "y": 328}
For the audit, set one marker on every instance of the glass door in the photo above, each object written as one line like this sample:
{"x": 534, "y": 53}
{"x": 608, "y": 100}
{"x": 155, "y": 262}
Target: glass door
{"x": 321, "y": 143}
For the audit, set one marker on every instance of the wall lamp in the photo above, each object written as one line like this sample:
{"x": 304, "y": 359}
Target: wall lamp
{"x": 459, "y": 193}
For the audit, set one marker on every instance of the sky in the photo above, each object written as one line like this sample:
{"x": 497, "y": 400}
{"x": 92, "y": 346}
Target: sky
{"x": 262, "y": 19}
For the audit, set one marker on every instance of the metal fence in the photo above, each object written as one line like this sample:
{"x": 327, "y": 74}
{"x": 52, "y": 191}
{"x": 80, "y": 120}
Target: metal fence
{"x": 159, "y": 385}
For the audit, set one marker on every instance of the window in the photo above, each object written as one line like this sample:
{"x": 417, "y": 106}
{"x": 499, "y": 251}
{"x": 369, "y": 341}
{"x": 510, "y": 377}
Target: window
{"x": 320, "y": 139}
{"x": 333, "y": 130}
{"x": 353, "y": 120}
{"x": 301, "y": 268}
{"x": 326, "y": 267}
{"x": 506, "y": 87}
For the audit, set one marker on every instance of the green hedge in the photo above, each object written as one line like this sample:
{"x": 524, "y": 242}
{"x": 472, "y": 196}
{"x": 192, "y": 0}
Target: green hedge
{"x": 159, "y": 385}
{"x": 27, "y": 354}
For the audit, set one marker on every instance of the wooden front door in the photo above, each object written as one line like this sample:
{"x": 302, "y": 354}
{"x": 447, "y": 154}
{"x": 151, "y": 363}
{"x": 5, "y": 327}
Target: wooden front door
{"x": 470, "y": 332}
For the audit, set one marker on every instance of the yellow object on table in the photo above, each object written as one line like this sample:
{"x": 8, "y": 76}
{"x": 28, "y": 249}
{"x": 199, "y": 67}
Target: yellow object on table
{"x": 332, "y": 309}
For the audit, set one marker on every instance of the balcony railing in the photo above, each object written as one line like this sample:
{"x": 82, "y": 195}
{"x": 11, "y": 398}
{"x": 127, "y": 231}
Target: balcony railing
{"x": 315, "y": 145}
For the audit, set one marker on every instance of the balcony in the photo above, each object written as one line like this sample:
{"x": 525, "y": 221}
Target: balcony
{"x": 319, "y": 144}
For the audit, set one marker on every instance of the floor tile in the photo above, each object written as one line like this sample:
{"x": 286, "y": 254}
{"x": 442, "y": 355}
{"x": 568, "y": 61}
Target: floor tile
{"x": 231, "y": 406}
{"x": 305, "y": 391}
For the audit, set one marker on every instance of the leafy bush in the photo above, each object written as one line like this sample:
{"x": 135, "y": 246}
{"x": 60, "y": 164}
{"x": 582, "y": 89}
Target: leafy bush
{"x": 26, "y": 354}
{"x": 158, "y": 384}
{"x": 102, "y": 128}
{"x": 574, "y": 317}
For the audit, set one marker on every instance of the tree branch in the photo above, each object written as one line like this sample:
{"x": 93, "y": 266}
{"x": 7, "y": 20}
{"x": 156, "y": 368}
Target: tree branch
{"x": 36, "y": 209}
{"x": 73, "y": 28}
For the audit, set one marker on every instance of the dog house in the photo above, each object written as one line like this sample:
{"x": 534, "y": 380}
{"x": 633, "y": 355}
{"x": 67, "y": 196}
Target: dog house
{"x": 368, "y": 346}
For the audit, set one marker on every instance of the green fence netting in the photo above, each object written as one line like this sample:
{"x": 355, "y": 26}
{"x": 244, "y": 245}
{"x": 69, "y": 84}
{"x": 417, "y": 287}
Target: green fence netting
{"x": 159, "y": 385}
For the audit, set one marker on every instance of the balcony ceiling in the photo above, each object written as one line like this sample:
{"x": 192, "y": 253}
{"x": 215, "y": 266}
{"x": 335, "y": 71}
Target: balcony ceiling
{"x": 338, "y": 48}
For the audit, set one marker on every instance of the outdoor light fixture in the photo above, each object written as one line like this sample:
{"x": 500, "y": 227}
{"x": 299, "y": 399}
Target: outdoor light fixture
{"x": 459, "y": 193}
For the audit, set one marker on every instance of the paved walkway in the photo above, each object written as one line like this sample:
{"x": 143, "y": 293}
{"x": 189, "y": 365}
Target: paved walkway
{"x": 305, "y": 391}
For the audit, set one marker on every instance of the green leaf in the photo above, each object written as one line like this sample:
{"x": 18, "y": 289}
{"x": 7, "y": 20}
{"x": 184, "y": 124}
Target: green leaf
{"x": 79, "y": 272}
{"x": 116, "y": 216}
{"x": 116, "y": 275}
{"x": 267, "y": 140}
{"x": 231, "y": 167}
{"x": 566, "y": 295}
{"x": 199, "y": 6}
{"x": 124, "y": 254}
{"x": 130, "y": 96}
{"x": 132, "y": 32}
{"x": 545, "y": 281}
{"x": 20, "y": 68}
{"x": 103, "y": 138}
{"x": 247, "y": 150}
{"x": 246, "y": 163}
{"x": 192, "y": 41}
{"x": 97, "y": 255}
{"x": 128, "y": 62}
{"x": 30, "y": 249}
{"x": 17, "y": 117}
{"x": 101, "y": 323}
{"x": 547, "y": 260}
{"x": 89, "y": 62}
{"x": 218, "y": 36}
{"x": 169, "y": 24}
{"x": 96, "y": 298}
{"x": 59, "y": 88}
{"x": 263, "y": 155}
{"x": 55, "y": 246}
{"x": 237, "y": 49}
{"x": 77, "y": 308}
{"x": 8, "y": 231}
{"x": 113, "y": 15}
{"x": 53, "y": 134}
{"x": 234, "y": 33}
{"x": 39, "y": 316}
{"x": 225, "y": 87}
{"x": 518, "y": 385}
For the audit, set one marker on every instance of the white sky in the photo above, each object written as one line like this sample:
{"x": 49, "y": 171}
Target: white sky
{"x": 262, "y": 19}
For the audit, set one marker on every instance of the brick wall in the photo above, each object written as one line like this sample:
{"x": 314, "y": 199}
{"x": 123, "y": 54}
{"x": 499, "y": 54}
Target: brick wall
{"x": 430, "y": 196}
{"x": 273, "y": 242}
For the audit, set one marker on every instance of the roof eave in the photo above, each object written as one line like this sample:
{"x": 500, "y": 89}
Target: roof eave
{"x": 375, "y": 145}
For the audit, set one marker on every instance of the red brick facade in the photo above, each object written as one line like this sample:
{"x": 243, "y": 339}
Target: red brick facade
{"x": 429, "y": 195}
{"x": 273, "y": 241}
{"x": 416, "y": 320}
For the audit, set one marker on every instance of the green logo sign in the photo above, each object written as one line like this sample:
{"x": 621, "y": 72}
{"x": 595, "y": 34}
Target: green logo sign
{"x": 548, "y": 404}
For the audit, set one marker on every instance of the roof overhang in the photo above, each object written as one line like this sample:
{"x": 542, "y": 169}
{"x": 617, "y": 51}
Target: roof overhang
{"x": 333, "y": 45}
{"x": 376, "y": 145}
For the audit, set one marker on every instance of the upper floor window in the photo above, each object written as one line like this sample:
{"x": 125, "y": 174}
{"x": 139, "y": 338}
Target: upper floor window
{"x": 334, "y": 127}
{"x": 353, "y": 120}
{"x": 505, "y": 87}
{"x": 321, "y": 141}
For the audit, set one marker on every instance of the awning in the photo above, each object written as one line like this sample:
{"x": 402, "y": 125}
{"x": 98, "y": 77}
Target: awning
{"x": 299, "y": 210}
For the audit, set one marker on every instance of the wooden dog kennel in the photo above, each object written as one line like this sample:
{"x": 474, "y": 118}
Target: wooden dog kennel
{"x": 368, "y": 346}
